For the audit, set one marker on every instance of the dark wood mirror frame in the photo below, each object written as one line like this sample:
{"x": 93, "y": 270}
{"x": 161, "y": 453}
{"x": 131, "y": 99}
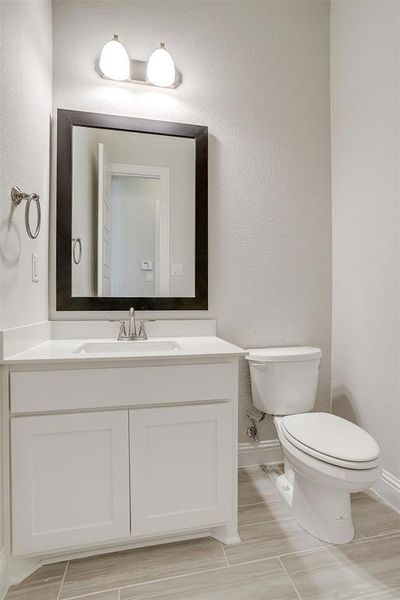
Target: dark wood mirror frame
{"x": 66, "y": 120}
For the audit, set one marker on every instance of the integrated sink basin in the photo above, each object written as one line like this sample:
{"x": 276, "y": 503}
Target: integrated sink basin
{"x": 129, "y": 347}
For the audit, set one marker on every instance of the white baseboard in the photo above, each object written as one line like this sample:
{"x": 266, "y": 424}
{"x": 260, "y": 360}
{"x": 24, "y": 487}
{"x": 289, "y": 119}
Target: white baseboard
{"x": 3, "y": 572}
{"x": 264, "y": 452}
{"x": 388, "y": 488}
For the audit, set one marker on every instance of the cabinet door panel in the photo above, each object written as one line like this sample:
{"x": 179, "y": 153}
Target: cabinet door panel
{"x": 70, "y": 480}
{"x": 180, "y": 467}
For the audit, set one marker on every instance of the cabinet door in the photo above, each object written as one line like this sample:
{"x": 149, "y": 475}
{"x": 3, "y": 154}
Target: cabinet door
{"x": 181, "y": 463}
{"x": 70, "y": 480}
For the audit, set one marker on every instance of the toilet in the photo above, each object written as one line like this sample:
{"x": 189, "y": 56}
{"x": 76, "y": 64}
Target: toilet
{"x": 326, "y": 458}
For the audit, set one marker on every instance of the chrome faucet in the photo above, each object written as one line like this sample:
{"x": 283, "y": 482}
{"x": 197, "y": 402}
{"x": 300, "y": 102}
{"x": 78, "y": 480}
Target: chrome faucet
{"x": 132, "y": 334}
{"x": 132, "y": 323}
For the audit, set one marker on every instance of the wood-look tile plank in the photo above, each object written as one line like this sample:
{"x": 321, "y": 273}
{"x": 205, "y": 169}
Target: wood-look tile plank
{"x": 254, "y": 486}
{"x": 256, "y": 581}
{"x": 347, "y": 572}
{"x": 388, "y": 595}
{"x": 272, "y": 508}
{"x": 269, "y": 539}
{"x": 373, "y": 517}
{"x": 109, "y": 595}
{"x": 120, "y": 569}
{"x": 43, "y": 584}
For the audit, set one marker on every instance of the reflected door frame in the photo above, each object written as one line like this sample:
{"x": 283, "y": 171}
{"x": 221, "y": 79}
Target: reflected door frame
{"x": 162, "y": 281}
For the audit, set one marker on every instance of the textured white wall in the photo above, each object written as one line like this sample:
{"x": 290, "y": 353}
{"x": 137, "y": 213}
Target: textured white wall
{"x": 365, "y": 195}
{"x": 25, "y": 100}
{"x": 257, "y": 73}
{"x": 25, "y": 108}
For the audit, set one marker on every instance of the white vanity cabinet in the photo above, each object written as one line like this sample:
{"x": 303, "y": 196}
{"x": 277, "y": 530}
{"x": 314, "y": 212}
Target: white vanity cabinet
{"x": 121, "y": 454}
{"x": 70, "y": 480}
{"x": 180, "y": 467}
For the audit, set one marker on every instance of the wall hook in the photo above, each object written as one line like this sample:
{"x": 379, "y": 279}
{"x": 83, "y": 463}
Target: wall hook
{"x": 17, "y": 196}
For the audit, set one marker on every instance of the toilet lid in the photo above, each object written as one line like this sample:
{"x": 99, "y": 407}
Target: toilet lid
{"x": 332, "y": 439}
{"x": 289, "y": 354}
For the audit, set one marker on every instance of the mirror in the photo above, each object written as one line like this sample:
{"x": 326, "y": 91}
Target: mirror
{"x": 133, "y": 210}
{"x": 131, "y": 213}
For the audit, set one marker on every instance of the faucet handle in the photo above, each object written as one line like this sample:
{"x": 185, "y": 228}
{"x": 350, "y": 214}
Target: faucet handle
{"x": 142, "y": 335}
{"x": 122, "y": 335}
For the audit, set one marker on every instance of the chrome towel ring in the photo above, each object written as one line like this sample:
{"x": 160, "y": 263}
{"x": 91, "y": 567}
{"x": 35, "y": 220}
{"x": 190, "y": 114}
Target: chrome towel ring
{"x": 76, "y": 243}
{"x": 17, "y": 196}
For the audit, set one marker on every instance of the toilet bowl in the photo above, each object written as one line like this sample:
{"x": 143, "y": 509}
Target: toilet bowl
{"x": 326, "y": 458}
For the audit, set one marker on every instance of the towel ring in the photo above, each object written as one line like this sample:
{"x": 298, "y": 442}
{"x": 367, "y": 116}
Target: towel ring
{"x": 17, "y": 196}
{"x": 76, "y": 242}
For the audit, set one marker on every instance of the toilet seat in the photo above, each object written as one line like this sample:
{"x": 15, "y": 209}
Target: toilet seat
{"x": 331, "y": 439}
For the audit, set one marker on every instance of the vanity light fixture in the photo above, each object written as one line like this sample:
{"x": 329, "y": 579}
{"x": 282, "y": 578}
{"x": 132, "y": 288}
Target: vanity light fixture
{"x": 114, "y": 63}
{"x": 161, "y": 67}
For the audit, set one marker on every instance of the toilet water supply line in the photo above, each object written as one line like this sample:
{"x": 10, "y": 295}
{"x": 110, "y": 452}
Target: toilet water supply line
{"x": 255, "y": 416}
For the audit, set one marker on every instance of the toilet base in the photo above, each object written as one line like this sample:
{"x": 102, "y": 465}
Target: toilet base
{"x": 323, "y": 512}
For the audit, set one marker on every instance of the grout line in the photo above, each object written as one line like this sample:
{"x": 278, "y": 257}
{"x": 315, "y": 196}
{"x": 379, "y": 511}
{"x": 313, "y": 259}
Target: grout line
{"x": 133, "y": 585}
{"x": 273, "y": 519}
{"x": 226, "y": 557}
{"x": 375, "y": 594}
{"x": 93, "y": 594}
{"x": 62, "y": 580}
{"x": 359, "y": 532}
{"x": 289, "y": 578}
{"x": 365, "y": 538}
{"x": 180, "y": 576}
{"x": 308, "y": 551}
{"x": 265, "y": 501}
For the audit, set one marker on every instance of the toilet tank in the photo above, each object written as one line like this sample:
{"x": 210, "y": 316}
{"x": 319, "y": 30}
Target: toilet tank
{"x": 284, "y": 381}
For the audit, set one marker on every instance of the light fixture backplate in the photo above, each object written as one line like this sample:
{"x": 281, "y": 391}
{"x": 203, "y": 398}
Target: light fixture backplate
{"x": 138, "y": 74}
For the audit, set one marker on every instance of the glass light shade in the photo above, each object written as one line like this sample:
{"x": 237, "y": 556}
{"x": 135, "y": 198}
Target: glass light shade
{"x": 114, "y": 60}
{"x": 161, "y": 68}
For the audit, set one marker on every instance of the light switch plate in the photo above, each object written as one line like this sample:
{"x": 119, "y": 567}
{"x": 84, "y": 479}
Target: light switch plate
{"x": 35, "y": 268}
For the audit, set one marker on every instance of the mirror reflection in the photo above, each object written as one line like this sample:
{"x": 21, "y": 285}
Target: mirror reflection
{"x": 133, "y": 214}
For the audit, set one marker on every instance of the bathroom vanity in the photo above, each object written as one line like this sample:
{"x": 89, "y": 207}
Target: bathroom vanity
{"x": 113, "y": 443}
{"x": 117, "y": 444}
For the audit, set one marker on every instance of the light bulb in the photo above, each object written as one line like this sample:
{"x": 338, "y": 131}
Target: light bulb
{"x": 161, "y": 68}
{"x": 114, "y": 60}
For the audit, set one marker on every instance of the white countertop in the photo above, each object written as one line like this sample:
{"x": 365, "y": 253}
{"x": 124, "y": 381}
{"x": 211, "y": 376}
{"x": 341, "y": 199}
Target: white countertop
{"x": 65, "y": 351}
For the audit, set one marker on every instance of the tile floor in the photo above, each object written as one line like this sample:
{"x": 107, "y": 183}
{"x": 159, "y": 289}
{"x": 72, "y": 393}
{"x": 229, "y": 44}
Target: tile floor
{"x": 276, "y": 560}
